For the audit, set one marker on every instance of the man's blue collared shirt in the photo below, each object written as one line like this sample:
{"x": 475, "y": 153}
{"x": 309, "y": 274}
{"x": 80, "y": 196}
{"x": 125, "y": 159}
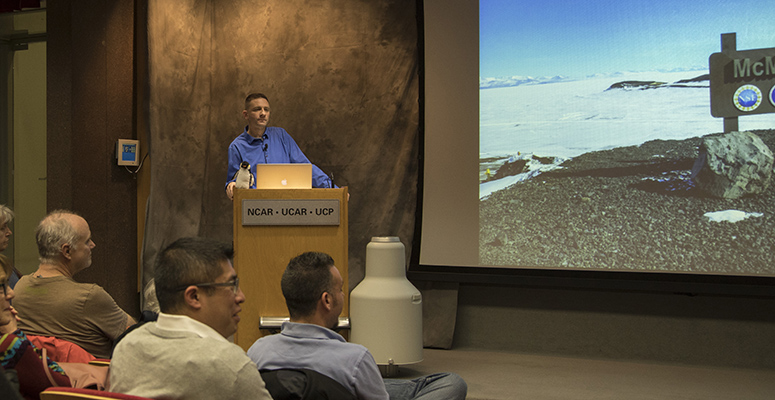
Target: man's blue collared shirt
{"x": 275, "y": 147}
{"x": 325, "y": 351}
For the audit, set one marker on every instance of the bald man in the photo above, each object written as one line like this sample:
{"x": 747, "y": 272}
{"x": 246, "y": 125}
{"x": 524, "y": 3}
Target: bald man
{"x": 51, "y": 303}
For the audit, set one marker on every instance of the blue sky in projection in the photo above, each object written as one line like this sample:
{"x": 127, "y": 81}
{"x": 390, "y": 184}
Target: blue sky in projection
{"x": 579, "y": 38}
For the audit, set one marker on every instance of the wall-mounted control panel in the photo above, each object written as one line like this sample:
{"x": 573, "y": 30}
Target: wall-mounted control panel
{"x": 128, "y": 152}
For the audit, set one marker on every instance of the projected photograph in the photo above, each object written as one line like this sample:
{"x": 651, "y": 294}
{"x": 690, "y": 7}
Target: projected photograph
{"x": 597, "y": 147}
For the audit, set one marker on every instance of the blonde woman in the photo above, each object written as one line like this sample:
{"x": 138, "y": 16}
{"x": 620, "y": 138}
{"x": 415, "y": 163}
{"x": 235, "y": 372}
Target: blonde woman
{"x": 6, "y": 216}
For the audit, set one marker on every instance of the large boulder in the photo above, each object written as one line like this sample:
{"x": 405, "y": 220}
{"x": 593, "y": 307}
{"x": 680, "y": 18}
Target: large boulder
{"x": 733, "y": 165}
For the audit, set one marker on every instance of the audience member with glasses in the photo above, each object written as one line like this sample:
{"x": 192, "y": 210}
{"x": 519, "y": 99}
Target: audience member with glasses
{"x": 185, "y": 353}
{"x": 6, "y": 216}
{"x": 22, "y": 363}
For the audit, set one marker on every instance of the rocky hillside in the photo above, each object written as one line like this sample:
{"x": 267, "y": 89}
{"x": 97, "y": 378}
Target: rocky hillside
{"x": 627, "y": 208}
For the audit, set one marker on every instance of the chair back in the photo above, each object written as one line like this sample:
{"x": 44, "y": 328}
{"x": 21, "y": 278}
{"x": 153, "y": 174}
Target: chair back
{"x": 303, "y": 384}
{"x": 67, "y": 393}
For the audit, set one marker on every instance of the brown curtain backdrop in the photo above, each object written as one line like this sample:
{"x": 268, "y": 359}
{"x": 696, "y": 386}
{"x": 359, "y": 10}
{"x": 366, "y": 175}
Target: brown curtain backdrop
{"x": 342, "y": 79}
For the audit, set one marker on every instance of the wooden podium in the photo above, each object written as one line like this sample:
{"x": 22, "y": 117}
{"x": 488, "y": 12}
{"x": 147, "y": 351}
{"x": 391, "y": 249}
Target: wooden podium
{"x": 271, "y": 226}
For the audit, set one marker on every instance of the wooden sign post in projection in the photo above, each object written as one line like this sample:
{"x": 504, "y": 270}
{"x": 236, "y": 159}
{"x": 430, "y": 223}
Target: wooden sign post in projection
{"x": 741, "y": 82}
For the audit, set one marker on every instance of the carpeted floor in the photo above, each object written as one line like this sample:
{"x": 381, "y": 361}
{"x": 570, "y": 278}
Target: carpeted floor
{"x": 493, "y": 375}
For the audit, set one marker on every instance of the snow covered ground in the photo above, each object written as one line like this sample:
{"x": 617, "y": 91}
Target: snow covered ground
{"x": 731, "y": 215}
{"x": 566, "y": 118}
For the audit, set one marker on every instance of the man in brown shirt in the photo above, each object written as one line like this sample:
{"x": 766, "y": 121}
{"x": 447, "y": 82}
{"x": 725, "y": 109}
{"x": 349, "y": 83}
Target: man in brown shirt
{"x": 51, "y": 303}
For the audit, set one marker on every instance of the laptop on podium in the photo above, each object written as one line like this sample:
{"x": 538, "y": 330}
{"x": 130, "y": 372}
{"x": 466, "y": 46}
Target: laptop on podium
{"x": 283, "y": 176}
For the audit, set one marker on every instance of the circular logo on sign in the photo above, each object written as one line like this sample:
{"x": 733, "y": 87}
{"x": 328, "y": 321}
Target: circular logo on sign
{"x": 747, "y": 98}
{"x": 772, "y": 95}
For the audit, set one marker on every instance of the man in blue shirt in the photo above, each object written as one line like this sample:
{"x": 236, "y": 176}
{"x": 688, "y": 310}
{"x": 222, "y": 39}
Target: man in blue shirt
{"x": 263, "y": 144}
{"x": 312, "y": 287}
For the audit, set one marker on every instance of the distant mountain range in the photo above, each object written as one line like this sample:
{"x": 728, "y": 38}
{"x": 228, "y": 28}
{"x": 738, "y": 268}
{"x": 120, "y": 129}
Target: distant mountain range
{"x": 510, "y": 81}
{"x": 490, "y": 83}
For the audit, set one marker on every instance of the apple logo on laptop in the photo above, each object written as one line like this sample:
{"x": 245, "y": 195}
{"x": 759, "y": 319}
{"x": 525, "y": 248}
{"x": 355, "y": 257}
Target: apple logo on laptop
{"x": 284, "y": 182}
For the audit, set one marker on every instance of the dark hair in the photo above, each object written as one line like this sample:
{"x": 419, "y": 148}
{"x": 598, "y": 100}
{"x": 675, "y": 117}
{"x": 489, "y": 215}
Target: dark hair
{"x": 305, "y": 279}
{"x": 187, "y": 261}
{"x": 254, "y": 96}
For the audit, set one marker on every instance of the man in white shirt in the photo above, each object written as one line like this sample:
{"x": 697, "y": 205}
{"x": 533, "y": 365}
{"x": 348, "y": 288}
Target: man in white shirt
{"x": 185, "y": 354}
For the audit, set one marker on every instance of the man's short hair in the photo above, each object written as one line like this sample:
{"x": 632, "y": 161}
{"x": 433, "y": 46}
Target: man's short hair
{"x": 305, "y": 279}
{"x": 187, "y": 261}
{"x": 53, "y": 231}
{"x": 6, "y": 215}
{"x": 254, "y": 96}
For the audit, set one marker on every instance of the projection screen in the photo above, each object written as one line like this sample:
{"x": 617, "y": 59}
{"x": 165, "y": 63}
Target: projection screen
{"x": 562, "y": 136}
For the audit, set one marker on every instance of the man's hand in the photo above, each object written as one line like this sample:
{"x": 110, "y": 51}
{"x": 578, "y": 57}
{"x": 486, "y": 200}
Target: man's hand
{"x": 11, "y": 325}
{"x": 230, "y": 190}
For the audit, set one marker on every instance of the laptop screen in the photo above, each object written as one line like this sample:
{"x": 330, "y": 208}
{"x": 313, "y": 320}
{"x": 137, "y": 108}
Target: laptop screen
{"x": 283, "y": 176}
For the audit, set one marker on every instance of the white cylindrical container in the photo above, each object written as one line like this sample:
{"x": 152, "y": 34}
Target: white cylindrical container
{"x": 385, "y": 308}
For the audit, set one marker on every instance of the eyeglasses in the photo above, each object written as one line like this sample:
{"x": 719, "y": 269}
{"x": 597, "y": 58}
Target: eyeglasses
{"x": 234, "y": 284}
